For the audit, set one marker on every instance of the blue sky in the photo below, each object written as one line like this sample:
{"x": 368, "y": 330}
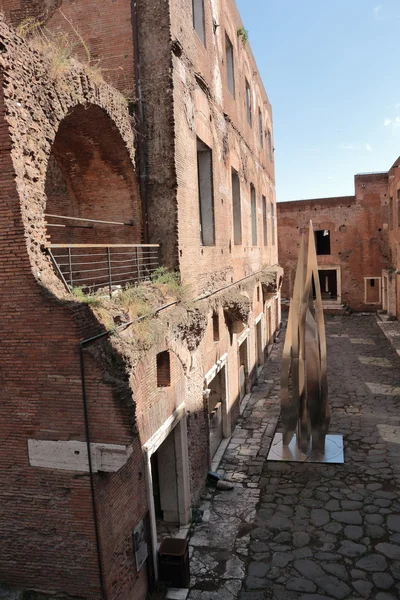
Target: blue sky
{"x": 331, "y": 72}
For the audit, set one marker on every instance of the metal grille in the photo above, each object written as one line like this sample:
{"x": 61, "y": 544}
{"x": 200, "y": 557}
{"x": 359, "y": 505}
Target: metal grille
{"x": 96, "y": 266}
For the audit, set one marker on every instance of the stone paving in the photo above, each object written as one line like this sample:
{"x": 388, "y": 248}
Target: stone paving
{"x": 311, "y": 531}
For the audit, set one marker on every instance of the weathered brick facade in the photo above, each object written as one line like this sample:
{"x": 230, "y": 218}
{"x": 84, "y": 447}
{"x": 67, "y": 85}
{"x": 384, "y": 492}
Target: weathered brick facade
{"x": 358, "y": 232}
{"x": 69, "y": 146}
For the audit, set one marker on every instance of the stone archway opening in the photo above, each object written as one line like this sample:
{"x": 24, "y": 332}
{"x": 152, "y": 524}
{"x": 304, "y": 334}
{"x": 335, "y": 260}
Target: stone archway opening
{"x": 90, "y": 176}
{"x": 93, "y": 210}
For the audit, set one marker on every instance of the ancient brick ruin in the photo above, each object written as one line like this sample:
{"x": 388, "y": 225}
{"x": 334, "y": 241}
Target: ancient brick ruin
{"x": 179, "y": 155}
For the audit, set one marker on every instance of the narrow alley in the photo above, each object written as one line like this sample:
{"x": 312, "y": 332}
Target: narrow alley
{"x": 311, "y": 531}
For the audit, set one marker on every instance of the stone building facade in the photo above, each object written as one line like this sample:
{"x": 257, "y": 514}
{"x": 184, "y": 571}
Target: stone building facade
{"x": 352, "y": 242}
{"x": 109, "y": 430}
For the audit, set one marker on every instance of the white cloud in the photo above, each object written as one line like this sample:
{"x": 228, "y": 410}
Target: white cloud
{"x": 330, "y": 177}
{"x": 377, "y": 9}
{"x": 368, "y": 147}
{"x": 387, "y": 122}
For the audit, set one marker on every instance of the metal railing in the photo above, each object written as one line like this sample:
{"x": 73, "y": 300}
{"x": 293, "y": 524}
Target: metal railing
{"x": 97, "y": 266}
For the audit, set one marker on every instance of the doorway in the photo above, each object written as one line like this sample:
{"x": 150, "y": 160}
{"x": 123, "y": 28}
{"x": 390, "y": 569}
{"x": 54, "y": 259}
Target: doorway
{"x": 216, "y": 410}
{"x": 328, "y": 284}
{"x": 372, "y": 290}
{"x": 243, "y": 368}
{"x": 259, "y": 346}
{"x": 164, "y": 476}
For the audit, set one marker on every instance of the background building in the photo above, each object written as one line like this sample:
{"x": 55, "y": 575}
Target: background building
{"x": 351, "y": 234}
{"x": 169, "y": 161}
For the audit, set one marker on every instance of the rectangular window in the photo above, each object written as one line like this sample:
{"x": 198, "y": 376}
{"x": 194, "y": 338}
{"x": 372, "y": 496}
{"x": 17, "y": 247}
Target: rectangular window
{"x": 230, "y": 73}
{"x": 198, "y": 19}
{"x": 163, "y": 369}
{"x": 206, "y": 194}
{"x": 391, "y": 212}
{"x": 398, "y": 208}
{"x": 248, "y": 102}
{"x": 215, "y": 322}
{"x": 253, "y": 215}
{"x": 260, "y": 128}
{"x": 236, "y": 209}
{"x": 273, "y": 223}
{"x": 269, "y": 144}
{"x": 265, "y": 223}
{"x": 323, "y": 241}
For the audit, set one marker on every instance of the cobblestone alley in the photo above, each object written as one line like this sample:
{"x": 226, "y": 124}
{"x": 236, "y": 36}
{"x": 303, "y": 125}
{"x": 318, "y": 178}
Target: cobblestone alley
{"x": 311, "y": 531}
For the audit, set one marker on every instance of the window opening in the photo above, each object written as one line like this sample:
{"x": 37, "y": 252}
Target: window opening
{"x": 230, "y": 72}
{"x": 398, "y": 208}
{"x": 258, "y": 294}
{"x": 260, "y": 128}
{"x": 206, "y": 194}
{"x": 215, "y": 322}
{"x": 269, "y": 144}
{"x": 236, "y": 207}
{"x": 323, "y": 241}
{"x": 163, "y": 369}
{"x": 253, "y": 215}
{"x": 391, "y": 212}
{"x": 198, "y": 19}
{"x": 273, "y": 223}
{"x": 248, "y": 102}
{"x": 265, "y": 224}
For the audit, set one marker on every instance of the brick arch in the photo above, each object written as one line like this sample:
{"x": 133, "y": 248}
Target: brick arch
{"x": 90, "y": 175}
{"x": 36, "y": 107}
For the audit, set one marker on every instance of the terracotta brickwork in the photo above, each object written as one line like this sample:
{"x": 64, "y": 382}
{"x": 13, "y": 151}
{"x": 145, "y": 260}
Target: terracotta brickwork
{"x": 69, "y": 146}
{"x": 358, "y": 231}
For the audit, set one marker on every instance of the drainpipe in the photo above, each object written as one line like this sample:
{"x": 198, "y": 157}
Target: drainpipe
{"x": 140, "y": 123}
{"x": 91, "y": 477}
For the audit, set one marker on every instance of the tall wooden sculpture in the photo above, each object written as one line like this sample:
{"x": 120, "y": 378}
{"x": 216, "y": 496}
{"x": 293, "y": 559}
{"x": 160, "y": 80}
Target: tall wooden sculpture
{"x": 305, "y": 411}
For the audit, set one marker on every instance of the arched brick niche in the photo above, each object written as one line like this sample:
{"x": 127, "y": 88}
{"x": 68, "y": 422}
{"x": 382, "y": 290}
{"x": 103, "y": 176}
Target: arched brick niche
{"x": 90, "y": 175}
{"x": 70, "y": 140}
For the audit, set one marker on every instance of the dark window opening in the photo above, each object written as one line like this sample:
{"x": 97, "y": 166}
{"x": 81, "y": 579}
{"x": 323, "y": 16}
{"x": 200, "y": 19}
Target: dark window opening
{"x": 236, "y": 208}
{"x": 273, "y": 223}
{"x": 260, "y": 128}
{"x": 372, "y": 282}
{"x": 323, "y": 241}
{"x": 398, "y": 208}
{"x": 215, "y": 322}
{"x": 248, "y": 102}
{"x": 391, "y": 212}
{"x": 253, "y": 215}
{"x": 265, "y": 223}
{"x": 230, "y": 73}
{"x": 163, "y": 369}
{"x": 258, "y": 293}
{"x": 198, "y": 19}
{"x": 206, "y": 194}
{"x": 269, "y": 144}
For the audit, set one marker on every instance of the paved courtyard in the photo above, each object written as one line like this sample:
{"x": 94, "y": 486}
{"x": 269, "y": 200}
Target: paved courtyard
{"x": 311, "y": 531}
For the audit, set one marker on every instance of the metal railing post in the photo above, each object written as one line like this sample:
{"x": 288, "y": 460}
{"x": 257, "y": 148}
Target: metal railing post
{"x": 71, "y": 283}
{"x": 109, "y": 271}
{"x": 137, "y": 264}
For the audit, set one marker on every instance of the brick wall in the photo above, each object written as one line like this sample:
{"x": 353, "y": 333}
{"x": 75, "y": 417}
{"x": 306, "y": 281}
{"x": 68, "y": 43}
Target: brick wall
{"x": 104, "y": 29}
{"x": 77, "y": 163}
{"x": 204, "y": 109}
{"x": 358, "y": 234}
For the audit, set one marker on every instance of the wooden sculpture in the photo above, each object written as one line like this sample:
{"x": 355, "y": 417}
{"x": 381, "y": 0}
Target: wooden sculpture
{"x": 304, "y": 389}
